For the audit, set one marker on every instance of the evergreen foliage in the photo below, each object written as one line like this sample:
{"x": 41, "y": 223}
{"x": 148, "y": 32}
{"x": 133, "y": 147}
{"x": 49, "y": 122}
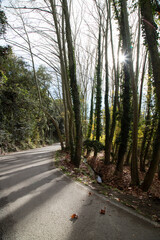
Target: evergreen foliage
{"x": 23, "y": 123}
{"x": 93, "y": 145}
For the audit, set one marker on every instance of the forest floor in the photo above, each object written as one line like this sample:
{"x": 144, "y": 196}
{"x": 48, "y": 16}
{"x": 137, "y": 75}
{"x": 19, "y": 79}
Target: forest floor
{"x": 144, "y": 203}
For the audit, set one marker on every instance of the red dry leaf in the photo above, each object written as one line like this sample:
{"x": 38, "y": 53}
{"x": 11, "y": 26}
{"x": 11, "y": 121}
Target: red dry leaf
{"x": 74, "y": 216}
{"x": 103, "y": 211}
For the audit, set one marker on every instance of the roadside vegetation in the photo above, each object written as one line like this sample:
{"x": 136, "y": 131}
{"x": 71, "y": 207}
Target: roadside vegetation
{"x": 23, "y": 122}
{"x": 117, "y": 190}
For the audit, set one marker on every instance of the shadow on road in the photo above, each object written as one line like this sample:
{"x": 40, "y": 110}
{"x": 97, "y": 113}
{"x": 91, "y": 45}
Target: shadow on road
{"x": 115, "y": 224}
{"x": 36, "y": 201}
{"x": 13, "y": 196}
{"x": 38, "y": 185}
{"x": 15, "y": 177}
{"x": 9, "y": 165}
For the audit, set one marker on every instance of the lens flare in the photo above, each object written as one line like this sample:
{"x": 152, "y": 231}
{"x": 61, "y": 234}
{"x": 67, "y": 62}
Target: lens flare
{"x": 122, "y": 58}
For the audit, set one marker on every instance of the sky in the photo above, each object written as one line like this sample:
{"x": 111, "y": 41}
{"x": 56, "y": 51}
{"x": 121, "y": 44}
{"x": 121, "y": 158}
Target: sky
{"x": 84, "y": 28}
{"x": 43, "y": 46}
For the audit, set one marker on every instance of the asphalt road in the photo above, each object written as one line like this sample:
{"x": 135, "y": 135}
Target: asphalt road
{"x": 37, "y": 201}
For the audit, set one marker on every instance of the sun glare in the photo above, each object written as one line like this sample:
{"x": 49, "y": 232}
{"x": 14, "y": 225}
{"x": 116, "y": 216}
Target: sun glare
{"x": 122, "y": 58}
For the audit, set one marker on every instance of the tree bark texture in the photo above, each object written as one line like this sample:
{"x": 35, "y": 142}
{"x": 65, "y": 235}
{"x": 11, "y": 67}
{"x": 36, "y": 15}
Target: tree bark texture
{"x": 91, "y": 116}
{"x": 98, "y": 93}
{"x": 126, "y": 118}
{"x": 107, "y": 112}
{"x": 74, "y": 87}
{"x": 125, "y": 121}
{"x": 150, "y": 29}
{"x": 147, "y": 121}
{"x": 134, "y": 160}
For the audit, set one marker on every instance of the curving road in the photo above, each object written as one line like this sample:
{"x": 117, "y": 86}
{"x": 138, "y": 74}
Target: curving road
{"x": 37, "y": 200}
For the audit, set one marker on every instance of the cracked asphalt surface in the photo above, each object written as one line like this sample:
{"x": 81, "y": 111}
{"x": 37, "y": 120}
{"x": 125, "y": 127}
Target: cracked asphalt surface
{"x": 37, "y": 201}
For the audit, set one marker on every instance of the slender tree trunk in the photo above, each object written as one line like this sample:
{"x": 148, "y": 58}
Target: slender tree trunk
{"x": 126, "y": 118}
{"x": 134, "y": 160}
{"x": 138, "y": 46}
{"x": 91, "y": 116}
{"x": 63, "y": 64}
{"x": 98, "y": 93}
{"x": 154, "y": 163}
{"x": 68, "y": 103}
{"x": 151, "y": 39}
{"x": 141, "y": 87}
{"x": 107, "y": 113}
{"x": 38, "y": 89}
{"x": 116, "y": 79}
{"x": 154, "y": 121}
{"x": 125, "y": 121}
{"x": 128, "y": 156}
{"x": 74, "y": 87}
{"x": 147, "y": 121}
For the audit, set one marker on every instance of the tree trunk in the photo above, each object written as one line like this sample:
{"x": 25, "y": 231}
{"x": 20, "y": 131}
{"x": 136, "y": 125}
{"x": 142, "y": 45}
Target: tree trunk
{"x": 91, "y": 116}
{"x": 116, "y": 78}
{"x": 63, "y": 64}
{"x": 134, "y": 160}
{"x": 107, "y": 113}
{"x": 126, "y": 118}
{"x": 149, "y": 141}
{"x": 147, "y": 121}
{"x": 154, "y": 163}
{"x": 141, "y": 87}
{"x": 98, "y": 93}
{"x": 150, "y": 27}
{"x": 74, "y": 87}
{"x": 125, "y": 121}
{"x": 128, "y": 156}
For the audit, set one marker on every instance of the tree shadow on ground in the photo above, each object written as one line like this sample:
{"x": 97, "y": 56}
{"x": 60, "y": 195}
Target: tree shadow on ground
{"x": 13, "y": 196}
{"x": 29, "y": 159}
{"x": 41, "y": 196}
{"x": 115, "y": 224}
{"x": 34, "y": 192}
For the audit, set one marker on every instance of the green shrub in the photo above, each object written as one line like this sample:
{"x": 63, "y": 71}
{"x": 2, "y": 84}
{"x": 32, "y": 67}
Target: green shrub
{"x": 93, "y": 145}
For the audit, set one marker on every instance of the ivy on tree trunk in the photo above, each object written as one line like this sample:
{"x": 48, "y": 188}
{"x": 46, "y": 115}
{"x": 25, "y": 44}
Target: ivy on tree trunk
{"x": 149, "y": 28}
{"x": 98, "y": 93}
{"x": 74, "y": 87}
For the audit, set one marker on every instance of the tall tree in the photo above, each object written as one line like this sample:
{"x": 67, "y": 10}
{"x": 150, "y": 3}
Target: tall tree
{"x": 107, "y": 112}
{"x": 64, "y": 75}
{"x": 98, "y": 87}
{"x": 91, "y": 115}
{"x": 74, "y": 86}
{"x": 126, "y": 38}
{"x": 126, "y": 92}
{"x": 150, "y": 30}
{"x": 147, "y": 120}
{"x": 115, "y": 77}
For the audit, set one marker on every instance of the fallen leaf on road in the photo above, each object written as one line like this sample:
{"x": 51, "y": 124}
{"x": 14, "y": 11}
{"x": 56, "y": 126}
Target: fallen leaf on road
{"x": 74, "y": 216}
{"x": 103, "y": 211}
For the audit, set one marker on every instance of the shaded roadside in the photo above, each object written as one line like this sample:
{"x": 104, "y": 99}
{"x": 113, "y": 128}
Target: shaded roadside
{"x": 134, "y": 199}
